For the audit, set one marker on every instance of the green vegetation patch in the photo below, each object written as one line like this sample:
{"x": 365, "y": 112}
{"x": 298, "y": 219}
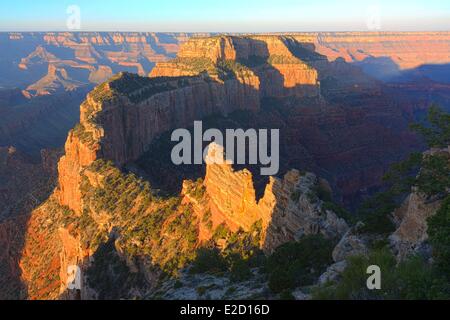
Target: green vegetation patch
{"x": 412, "y": 279}
{"x": 300, "y": 263}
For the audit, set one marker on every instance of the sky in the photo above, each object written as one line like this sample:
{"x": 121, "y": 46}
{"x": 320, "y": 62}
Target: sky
{"x": 225, "y": 15}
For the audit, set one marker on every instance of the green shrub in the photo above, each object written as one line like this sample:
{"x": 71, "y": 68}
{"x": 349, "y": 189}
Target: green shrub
{"x": 411, "y": 279}
{"x": 434, "y": 177}
{"x": 298, "y": 263}
{"x": 240, "y": 270}
{"x": 221, "y": 232}
{"x": 201, "y": 291}
{"x": 323, "y": 192}
{"x": 439, "y": 237}
{"x": 178, "y": 284}
{"x": 376, "y": 214}
{"x": 109, "y": 275}
{"x": 340, "y": 211}
{"x": 295, "y": 196}
{"x": 286, "y": 295}
{"x": 353, "y": 280}
{"x": 417, "y": 280}
{"x": 208, "y": 261}
{"x": 280, "y": 280}
{"x": 437, "y": 132}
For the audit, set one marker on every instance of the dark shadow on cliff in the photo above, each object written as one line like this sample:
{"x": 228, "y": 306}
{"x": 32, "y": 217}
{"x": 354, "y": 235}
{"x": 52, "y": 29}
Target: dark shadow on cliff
{"x": 363, "y": 127}
{"x": 41, "y": 122}
{"x": 11, "y": 242}
{"x": 422, "y": 85}
{"x": 107, "y": 276}
{"x": 388, "y": 71}
{"x": 156, "y": 165}
{"x": 381, "y": 68}
{"x": 349, "y": 134}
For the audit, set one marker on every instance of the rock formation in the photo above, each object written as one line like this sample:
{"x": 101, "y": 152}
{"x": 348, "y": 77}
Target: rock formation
{"x": 351, "y": 244}
{"x": 265, "y": 59}
{"x": 411, "y": 219}
{"x": 288, "y": 210}
{"x": 92, "y": 55}
{"x": 96, "y": 202}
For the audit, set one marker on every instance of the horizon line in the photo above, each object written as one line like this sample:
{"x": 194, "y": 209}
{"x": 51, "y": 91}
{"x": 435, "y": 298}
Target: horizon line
{"x": 222, "y": 32}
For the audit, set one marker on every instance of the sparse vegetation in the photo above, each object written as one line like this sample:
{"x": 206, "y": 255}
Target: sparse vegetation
{"x": 196, "y": 189}
{"x": 209, "y": 261}
{"x": 253, "y": 61}
{"x": 415, "y": 277}
{"x": 430, "y": 173}
{"x": 81, "y": 133}
{"x": 295, "y": 196}
{"x": 230, "y": 69}
{"x": 411, "y": 279}
{"x": 439, "y": 235}
{"x": 109, "y": 275}
{"x": 437, "y": 132}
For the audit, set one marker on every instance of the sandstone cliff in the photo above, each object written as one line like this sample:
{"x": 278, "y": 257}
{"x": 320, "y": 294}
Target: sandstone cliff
{"x": 93, "y": 56}
{"x": 96, "y": 203}
{"x": 267, "y": 58}
{"x": 411, "y": 219}
{"x": 406, "y": 49}
{"x": 288, "y": 210}
{"x": 120, "y": 119}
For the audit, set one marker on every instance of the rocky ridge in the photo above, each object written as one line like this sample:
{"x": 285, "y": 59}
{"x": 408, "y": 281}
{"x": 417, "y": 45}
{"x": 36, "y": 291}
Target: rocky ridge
{"x": 411, "y": 219}
{"x": 94, "y": 200}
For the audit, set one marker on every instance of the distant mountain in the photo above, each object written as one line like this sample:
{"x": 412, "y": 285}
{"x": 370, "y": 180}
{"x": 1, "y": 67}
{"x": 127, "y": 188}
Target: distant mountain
{"x": 45, "y": 76}
{"x": 43, "y": 63}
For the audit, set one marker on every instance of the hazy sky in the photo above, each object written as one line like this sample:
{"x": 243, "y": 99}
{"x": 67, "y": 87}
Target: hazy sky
{"x": 226, "y": 15}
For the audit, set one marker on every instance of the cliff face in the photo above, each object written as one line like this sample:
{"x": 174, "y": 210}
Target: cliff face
{"x": 96, "y": 202}
{"x": 91, "y": 58}
{"x": 118, "y": 122}
{"x": 77, "y": 156}
{"x": 412, "y": 224}
{"x": 267, "y": 58}
{"x": 388, "y": 56}
{"x": 24, "y": 182}
{"x": 120, "y": 119}
{"x": 30, "y": 59}
{"x": 289, "y": 209}
{"x": 11, "y": 240}
{"x": 411, "y": 219}
{"x": 41, "y": 122}
{"x": 407, "y": 49}
{"x": 121, "y": 127}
